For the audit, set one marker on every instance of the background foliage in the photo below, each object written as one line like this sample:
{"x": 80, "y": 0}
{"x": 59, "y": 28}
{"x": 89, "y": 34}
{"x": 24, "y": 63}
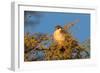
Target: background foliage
{"x": 39, "y": 46}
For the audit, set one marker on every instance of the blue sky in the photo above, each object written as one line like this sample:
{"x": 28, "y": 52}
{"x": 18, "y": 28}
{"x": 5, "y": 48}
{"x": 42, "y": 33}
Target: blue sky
{"x": 45, "y": 22}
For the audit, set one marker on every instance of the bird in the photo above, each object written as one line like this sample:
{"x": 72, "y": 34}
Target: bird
{"x": 61, "y": 34}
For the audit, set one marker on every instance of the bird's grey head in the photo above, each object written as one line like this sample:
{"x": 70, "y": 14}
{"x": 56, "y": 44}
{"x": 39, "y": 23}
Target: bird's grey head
{"x": 58, "y": 27}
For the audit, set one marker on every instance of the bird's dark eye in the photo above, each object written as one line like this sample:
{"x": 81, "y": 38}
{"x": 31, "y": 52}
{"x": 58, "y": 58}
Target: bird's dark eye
{"x": 58, "y": 28}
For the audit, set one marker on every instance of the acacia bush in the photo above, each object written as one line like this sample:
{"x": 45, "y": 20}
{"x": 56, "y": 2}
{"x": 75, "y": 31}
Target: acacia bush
{"x": 40, "y": 46}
